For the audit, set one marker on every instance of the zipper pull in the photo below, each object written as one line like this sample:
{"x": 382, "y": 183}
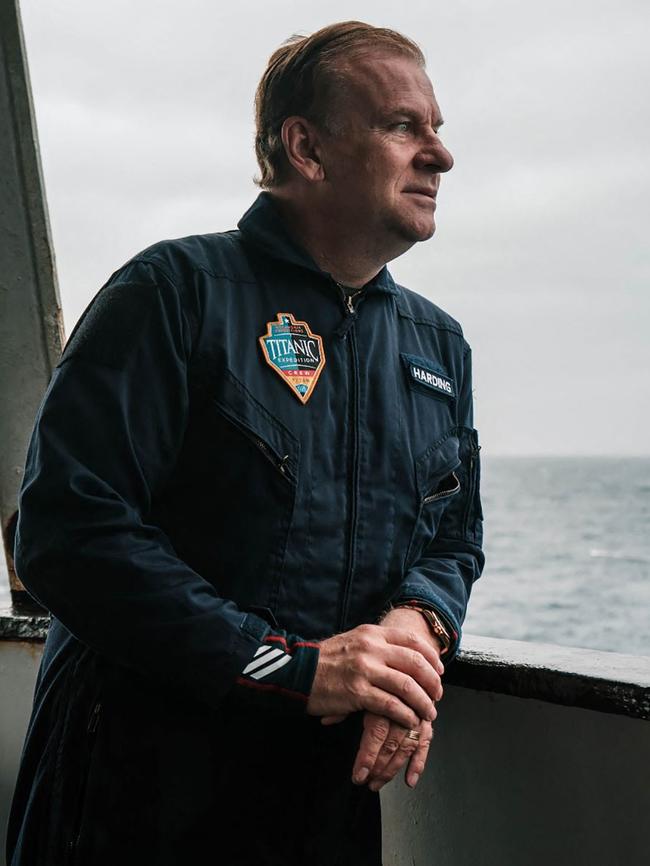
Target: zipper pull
{"x": 351, "y": 313}
{"x": 347, "y": 296}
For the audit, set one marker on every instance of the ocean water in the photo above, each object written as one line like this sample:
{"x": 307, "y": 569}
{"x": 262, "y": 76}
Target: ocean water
{"x": 567, "y": 544}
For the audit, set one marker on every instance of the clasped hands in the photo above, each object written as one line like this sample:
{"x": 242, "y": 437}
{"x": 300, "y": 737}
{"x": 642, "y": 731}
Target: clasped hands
{"x": 392, "y": 672}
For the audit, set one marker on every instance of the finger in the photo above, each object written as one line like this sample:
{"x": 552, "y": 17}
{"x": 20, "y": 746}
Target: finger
{"x": 397, "y": 750}
{"x": 405, "y": 638}
{"x": 332, "y": 720}
{"x": 383, "y": 703}
{"x": 414, "y": 664}
{"x": 404, "y": 688}
{"x": 375, "y": 730}
{"x": 419, "y": 757}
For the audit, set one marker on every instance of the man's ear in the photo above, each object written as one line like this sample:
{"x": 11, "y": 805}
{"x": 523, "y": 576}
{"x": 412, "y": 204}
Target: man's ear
{"x": 301, "y": 142}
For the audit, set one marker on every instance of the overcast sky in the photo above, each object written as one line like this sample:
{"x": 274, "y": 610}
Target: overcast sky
{"x": 144, "y": 112}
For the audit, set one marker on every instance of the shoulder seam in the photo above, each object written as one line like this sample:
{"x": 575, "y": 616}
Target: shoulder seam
{"x": 420, "y": 320}
{"x": 190, "y": 320}
{"x": 430, "y": 324}
{"x": 155, "y": 264}
{"x": 195, "y": 269}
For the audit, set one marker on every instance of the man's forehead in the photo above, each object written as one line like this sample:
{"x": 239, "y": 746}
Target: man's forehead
{"x": 388, "y": 82}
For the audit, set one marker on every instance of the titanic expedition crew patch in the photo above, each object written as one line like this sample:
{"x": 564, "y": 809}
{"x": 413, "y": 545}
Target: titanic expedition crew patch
{"x": 294, "y": 353}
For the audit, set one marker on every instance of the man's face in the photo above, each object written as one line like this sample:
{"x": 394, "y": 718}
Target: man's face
{"x": 384, "y": 159}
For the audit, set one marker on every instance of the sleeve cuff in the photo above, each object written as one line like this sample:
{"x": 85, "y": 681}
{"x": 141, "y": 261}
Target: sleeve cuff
{"x": 279, "y": 674}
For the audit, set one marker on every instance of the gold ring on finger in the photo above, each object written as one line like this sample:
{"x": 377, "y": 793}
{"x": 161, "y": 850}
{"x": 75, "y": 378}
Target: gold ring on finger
{"x": 412, "y": 735}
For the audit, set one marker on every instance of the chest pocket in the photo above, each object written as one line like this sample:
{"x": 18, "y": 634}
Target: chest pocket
{"x": 437, "y": 482}
{"x": 250, "y": 477}
{"x": 272, "y": 439}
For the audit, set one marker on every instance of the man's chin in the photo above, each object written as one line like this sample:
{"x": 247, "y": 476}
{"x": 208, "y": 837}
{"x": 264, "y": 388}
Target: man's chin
{"x": 406, "y": 233}
{"x": 420, "y": 231}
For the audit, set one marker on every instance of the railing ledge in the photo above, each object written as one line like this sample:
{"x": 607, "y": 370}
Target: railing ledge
{"x": 607, "y": 682}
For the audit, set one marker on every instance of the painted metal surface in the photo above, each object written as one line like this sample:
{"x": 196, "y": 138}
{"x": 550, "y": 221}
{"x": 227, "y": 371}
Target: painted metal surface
{"x": 509, "y": 780}
{"x": 19, "y": 662}
{"x": 604, "y": 681}
{"x": 31, "y": 328}
{"x": 23, "y": 625}
{"x": 522, "y": 782}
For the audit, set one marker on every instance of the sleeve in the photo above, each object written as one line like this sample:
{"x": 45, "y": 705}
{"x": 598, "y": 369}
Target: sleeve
{"x": 443, "y": 576}
{"x": 106, "y": 439}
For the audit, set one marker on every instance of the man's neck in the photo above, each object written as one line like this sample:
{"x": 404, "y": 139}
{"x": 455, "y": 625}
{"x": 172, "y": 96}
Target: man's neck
{"x": 341, "y": 252}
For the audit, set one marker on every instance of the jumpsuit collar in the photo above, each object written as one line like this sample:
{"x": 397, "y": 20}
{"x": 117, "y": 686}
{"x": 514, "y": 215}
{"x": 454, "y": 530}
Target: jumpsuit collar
{"x": 263, "y": 226}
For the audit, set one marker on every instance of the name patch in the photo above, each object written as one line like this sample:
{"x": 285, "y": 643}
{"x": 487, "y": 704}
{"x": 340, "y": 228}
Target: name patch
{"x": 422, "y": 372}
{"x": 294, "y": 353}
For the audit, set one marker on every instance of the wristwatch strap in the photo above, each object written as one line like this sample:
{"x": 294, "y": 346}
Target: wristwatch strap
{"x": 434, "y": 622}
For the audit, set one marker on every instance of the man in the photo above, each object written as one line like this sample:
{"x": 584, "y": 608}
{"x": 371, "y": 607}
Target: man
{"x": 251, "y": 503}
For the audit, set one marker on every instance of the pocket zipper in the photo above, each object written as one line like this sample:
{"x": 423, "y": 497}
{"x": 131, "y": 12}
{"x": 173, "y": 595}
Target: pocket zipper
{"x": 278, "y": 463}
{"x": 472, "y": 487}
{"x": 91, "y": 730}
{"x": 442, "y": 493}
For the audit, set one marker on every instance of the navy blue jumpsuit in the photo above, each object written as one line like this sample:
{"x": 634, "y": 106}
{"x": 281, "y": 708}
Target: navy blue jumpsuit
{"x": 230, "y": 463}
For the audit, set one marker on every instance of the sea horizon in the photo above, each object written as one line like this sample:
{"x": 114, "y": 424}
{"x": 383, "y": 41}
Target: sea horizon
{"x": 567, "y": 551}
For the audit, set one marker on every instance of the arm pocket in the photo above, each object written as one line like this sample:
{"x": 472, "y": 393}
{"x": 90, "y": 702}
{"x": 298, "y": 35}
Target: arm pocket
{"x": 438, "y": 484}
{"x": 464, "y": 518}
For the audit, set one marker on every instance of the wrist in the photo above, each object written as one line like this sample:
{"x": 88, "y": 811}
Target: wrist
{"x": 435, "y": 626}
{"x": 405, "y": 617}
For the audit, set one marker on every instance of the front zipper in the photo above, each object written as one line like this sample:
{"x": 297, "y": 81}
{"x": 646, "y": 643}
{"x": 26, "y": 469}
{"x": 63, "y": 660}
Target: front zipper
{"x": 472, "y": 487}
{"x": 347, "y": 333}
{"x": 354, "y": 426}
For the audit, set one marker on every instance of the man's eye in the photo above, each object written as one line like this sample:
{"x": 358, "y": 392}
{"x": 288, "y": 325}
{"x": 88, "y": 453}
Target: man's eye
{"x": 402, "y": 126}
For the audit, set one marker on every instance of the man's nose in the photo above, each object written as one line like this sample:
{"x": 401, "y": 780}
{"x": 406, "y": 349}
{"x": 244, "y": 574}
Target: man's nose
{"x": 434, "y": 155}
